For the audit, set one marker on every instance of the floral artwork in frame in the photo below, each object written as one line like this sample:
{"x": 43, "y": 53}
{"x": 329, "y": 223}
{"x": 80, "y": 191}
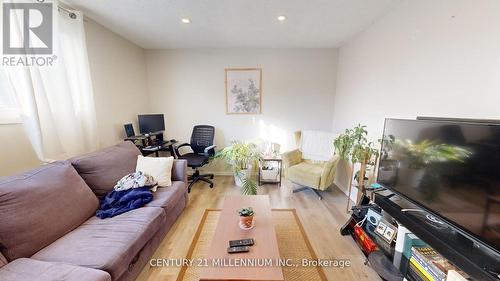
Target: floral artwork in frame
{"x": 243, "y": 91}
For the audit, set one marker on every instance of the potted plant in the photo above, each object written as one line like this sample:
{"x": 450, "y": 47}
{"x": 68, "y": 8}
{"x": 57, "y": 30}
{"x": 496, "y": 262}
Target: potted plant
{"x": 242, "y": 156}
{"x": 246, "y": 217}
{"x": 353, "y": 146}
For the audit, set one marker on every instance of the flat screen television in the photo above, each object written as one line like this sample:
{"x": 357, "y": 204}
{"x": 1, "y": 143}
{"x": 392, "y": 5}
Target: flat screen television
{"x": 449, "y": 168}
{"x": 151, "y": 123}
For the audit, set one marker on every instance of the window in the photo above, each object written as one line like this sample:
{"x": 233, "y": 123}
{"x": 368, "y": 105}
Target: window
{"x": 9, "y": 111}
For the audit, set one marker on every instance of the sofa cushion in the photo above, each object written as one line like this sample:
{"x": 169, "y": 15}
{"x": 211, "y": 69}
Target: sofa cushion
{"x": 102, "y": 169}
{"x": 29, "y": 269}
{"x": 107, "y": 244}
{"x": 307, "y": 174}
{"x": 168, "y": 197}
{"x": 158, "y": 167}
{"x": 41, "y": 205}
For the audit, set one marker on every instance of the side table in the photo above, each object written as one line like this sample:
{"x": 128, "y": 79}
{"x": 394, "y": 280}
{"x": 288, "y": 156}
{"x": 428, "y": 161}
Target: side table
{"x": 278, "y": 165}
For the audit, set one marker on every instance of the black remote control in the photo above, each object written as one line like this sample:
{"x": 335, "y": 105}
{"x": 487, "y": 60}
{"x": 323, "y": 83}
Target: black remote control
{"x": 242, "y": 249}
{"x": 242, "y": 242}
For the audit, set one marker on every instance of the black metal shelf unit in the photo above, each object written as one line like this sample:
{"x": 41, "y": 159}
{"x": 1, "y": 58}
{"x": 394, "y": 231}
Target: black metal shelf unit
{"x": 477, "y": 260}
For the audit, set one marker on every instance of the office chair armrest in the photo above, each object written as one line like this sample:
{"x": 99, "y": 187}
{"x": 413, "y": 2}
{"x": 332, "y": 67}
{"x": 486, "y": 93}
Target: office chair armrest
{"x": 207, "y": 149}
{"x": 176, "y": 148}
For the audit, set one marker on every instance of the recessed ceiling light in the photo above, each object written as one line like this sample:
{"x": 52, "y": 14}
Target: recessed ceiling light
{"x": 186, "y": 20}
{"x": 281, "y": 18}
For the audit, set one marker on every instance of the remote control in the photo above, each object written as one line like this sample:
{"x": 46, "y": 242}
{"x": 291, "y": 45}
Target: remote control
{"x": 242, "y": 249}
{"x": 242, "y": 242}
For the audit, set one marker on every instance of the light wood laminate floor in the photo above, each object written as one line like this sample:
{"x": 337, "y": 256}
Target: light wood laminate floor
{"x": 321, "y": 219}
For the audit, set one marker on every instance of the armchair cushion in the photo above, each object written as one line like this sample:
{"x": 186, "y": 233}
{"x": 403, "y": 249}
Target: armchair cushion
{"x": 315, "y": 174}
{"x": 307, "y": 174}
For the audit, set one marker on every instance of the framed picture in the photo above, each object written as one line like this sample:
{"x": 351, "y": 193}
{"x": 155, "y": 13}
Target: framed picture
{"x": 243, "y": 90}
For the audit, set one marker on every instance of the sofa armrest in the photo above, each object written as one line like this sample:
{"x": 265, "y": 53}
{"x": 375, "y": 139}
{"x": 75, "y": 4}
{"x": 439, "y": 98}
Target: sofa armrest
{"x": 3, "y": 260}
{"x": 291, "y": 158}
{"x": 328, "y": 173}
{"x": 179, "y": 170}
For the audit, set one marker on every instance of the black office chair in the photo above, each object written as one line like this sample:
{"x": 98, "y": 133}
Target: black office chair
{"x": 202, "y": 144}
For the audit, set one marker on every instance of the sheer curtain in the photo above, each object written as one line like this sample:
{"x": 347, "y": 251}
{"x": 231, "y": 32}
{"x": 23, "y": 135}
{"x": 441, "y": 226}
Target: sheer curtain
{"x": 56, "y": 102}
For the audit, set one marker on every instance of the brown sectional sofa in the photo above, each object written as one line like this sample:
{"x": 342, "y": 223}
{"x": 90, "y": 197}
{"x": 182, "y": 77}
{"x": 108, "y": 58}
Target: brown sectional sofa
{"x": 48, "y": 228}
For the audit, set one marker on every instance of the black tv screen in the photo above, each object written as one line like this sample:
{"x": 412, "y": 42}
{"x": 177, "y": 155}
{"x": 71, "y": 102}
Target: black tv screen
{"x": 450, "y": 168}
{"x": 151, "y": 123}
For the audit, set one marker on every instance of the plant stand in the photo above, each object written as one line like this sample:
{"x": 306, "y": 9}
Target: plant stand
{"x": 270, "y": 176}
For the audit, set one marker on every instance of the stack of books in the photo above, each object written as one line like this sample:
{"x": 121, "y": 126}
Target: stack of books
{"x": 410, "y": 241}
{"x": 427, "y": 265}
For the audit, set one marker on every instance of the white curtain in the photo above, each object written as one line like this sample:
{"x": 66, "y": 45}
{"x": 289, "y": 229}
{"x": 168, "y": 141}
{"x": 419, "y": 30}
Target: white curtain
{"x": 56, "y": 102}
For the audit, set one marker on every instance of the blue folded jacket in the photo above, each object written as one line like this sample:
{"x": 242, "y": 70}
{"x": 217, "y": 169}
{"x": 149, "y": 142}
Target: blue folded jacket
{"x": 119, "y": 202}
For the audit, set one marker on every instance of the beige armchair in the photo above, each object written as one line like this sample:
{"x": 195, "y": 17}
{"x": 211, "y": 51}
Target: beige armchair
{"x": 311, "y": 174}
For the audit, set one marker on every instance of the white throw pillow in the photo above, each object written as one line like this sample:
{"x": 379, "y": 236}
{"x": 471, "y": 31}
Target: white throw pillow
{"x": 158, "y": 167}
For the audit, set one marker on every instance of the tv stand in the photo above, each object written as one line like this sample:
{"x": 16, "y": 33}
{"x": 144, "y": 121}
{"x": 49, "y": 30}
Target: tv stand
{"x": 412, "y": 210}
{"x": 463, "y": 250}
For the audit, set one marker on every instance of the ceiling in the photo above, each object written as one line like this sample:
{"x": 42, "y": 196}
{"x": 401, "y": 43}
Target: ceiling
{"x": 156, "y": 24}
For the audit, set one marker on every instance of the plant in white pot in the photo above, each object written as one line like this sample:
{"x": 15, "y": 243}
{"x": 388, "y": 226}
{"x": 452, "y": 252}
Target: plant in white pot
{"x": 242, "y": 156}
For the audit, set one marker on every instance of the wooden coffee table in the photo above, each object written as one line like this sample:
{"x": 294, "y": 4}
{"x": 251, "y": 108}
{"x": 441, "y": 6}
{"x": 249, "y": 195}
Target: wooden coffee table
{"x": 265, "y": 248}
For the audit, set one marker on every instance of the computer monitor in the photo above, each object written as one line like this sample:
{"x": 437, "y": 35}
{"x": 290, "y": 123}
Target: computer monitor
{"x": 151, "y": 123}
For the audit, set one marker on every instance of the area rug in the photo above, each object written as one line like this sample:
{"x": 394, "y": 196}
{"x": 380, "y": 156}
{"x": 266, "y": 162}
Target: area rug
{"x": 292, "y": 243}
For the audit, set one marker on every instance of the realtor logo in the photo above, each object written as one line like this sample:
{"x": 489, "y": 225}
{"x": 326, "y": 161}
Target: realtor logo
{"x": 27, "y": 28}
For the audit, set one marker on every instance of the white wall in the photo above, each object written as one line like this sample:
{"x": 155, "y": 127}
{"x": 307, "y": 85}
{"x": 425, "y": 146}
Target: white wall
{"x": 16, "y": 152}
{"x": 298, "y": 88}
{"x": 427, "y": 58}
{"x": 297, "y": 91}
{"x": 118, "y": 71}
{"x": 424, "y": 58}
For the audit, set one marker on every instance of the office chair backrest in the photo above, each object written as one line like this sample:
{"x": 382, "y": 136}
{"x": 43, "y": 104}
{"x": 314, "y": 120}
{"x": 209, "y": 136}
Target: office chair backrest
{"x": 202, "y": 136}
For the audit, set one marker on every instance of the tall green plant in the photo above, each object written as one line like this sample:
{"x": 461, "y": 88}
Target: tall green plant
{"x": 353, "y": 145}
{"x": 343, "y": 144}
{"x": 241, "y": 155}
